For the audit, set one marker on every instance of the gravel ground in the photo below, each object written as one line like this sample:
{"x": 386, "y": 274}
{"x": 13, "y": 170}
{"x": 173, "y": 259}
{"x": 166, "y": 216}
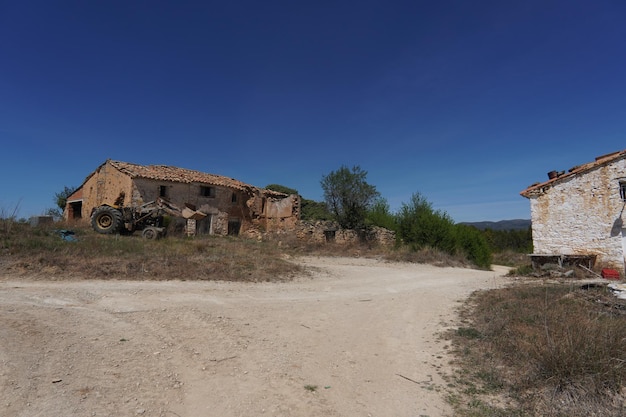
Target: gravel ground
{"x": 359, "y": 337}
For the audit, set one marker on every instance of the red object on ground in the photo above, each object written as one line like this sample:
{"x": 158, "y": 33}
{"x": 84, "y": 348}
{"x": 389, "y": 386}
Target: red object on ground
{"x": 610, "y": 274}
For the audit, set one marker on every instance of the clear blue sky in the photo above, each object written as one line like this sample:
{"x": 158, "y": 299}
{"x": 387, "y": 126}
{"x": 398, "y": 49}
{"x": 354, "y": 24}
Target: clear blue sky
{"x": 465, "y": 102}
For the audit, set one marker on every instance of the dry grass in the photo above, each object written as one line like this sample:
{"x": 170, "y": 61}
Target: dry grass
{"x": 555, "y": 350}
{"x": 40, "y": 253}
{"x": 429, "y": 256}
{"x": 511, "y": 258}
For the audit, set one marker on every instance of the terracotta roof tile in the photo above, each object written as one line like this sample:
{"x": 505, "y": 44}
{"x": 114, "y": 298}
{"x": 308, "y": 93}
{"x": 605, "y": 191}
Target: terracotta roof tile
{"x": 577, "y": 170}
{"x": 174, "y": 174}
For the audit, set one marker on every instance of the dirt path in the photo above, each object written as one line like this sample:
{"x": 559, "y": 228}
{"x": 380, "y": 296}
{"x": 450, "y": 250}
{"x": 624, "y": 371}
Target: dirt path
{"x": 360, "y": 334}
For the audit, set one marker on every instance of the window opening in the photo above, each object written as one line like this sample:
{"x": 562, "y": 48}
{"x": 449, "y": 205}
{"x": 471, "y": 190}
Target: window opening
{"x": 233, "y": 198}
{"x": 622, "y": 190}
{"x": 162, "y": 191}
{"x": 207, "y": 191}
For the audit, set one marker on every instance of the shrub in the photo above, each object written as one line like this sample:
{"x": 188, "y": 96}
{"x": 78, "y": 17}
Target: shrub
{"x": 472, "y": 242}
{"x": 419, "y": 226}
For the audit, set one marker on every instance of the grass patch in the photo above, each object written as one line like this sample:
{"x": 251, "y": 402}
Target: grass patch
{"x": 468, "y": 333}
{"x": 430, "y": 256}
{"x": 41, "y": 253}
{"x": 553, "y": 350}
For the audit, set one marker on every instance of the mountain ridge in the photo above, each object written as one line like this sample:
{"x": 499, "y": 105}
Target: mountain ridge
{"x": 514, "y": 224}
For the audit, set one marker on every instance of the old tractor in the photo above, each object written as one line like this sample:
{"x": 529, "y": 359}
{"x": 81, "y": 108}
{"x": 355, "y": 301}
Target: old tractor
{"x": 148, "y": 218}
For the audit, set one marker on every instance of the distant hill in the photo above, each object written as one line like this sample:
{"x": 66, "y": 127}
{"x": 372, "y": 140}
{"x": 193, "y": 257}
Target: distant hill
{"x": 517, "y": 224}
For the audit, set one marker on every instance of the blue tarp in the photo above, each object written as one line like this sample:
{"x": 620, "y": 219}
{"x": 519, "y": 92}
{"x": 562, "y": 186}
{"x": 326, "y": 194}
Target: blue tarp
{"x": 67, "y": 235}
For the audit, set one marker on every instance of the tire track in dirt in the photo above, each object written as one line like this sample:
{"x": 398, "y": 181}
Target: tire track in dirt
{"x": 359, "y": 334}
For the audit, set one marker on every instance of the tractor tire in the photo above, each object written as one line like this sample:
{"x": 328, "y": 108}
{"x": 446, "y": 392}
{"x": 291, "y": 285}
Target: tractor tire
{"x": 106, "y": 220}
{"x": 150, "y": 233}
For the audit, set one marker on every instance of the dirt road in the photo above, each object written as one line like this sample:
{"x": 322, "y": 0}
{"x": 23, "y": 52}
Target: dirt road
{"x": 358, "y": 337}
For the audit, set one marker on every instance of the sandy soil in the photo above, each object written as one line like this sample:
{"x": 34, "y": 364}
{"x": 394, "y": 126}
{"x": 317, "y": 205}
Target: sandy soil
{"x": 362, "y": 335}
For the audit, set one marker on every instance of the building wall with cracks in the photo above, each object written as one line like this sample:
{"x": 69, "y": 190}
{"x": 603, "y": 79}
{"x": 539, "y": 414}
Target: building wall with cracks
{"x": 581, "y": 212}
{"x": 232, "y": 207}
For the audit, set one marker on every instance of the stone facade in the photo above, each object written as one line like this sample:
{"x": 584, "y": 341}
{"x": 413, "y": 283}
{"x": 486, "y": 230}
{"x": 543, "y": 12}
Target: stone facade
{"x": 232, "y": 207}
{"x": 581, "y": 212}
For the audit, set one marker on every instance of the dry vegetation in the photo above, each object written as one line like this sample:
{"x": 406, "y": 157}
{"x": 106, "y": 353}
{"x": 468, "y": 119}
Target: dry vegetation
{"x": 527, "y": 350}
{"x": 541, "y": 350}
{"x": 42, "y": 253}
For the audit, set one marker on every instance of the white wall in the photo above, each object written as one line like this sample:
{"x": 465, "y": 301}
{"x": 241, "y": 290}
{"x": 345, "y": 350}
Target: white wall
{"x": 582, "y": 215}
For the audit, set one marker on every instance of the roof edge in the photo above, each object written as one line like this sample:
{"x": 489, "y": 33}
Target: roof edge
{"x": 541, "y": 187}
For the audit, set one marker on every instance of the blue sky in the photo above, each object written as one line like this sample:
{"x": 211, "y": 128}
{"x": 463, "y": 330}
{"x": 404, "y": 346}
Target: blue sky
{"x": 465, "y": 102}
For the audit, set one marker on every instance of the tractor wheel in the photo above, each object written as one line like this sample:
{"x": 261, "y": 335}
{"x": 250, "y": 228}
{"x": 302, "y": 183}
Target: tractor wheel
{"x": 106, "y": 220}
{"x": 150, "y": 233}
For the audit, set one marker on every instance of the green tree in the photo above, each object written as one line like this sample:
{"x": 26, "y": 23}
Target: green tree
{"x": 314, "y": 210}
{"x": 348, "y": 196}
{"x": 60, "y": 200}
{"x": 520, "y": 241}
{"x": 419, "y": 225}
{"x": 379, "y": 214}
{"x": 281, "y": 189}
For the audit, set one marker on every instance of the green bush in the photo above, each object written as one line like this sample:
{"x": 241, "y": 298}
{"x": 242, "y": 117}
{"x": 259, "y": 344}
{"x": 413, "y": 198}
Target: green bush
{"x": 380, "y": 215}
{"x": 472, "y": 242}
{"x": 420, "y": 226}
{"x": 520, "y": 241}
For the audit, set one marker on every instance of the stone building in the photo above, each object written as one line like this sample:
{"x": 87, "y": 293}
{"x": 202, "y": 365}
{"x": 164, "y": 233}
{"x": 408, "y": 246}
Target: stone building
{"x": 579, "y": 213}
{"x": 232, "y": 207}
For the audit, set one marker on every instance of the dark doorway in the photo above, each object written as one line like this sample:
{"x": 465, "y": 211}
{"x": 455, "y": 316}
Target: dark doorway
{"x": 203, "y": 227}
{"x": 233, "y": 227}
{"x": 76, "y": 210}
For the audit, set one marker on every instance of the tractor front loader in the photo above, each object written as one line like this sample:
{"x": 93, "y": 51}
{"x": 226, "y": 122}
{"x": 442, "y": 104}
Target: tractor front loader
{"x": 148, "y": 218}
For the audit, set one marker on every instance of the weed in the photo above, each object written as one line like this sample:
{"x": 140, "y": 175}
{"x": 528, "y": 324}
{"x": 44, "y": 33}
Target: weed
{"x": 468, "y": 332}
{"x": 311, "y": 388}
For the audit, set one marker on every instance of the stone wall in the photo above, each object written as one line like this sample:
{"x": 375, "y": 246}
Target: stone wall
{"x": 330, "y": 232}
{"x": 581, "y": 215}
{"x": 104, "y": 187}
{"x": 280, "y": 214}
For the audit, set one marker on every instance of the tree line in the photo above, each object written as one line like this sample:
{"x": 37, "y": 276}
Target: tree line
{"x": 354, "y": 204}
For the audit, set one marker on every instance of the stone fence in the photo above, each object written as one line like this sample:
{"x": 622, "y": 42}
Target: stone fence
{"x": 330, "y": 232}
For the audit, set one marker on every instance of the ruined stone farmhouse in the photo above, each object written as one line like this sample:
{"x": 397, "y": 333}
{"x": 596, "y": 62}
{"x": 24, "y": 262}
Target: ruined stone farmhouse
{"x": 579, "y": 212}
{"x": 232, "y": 207}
